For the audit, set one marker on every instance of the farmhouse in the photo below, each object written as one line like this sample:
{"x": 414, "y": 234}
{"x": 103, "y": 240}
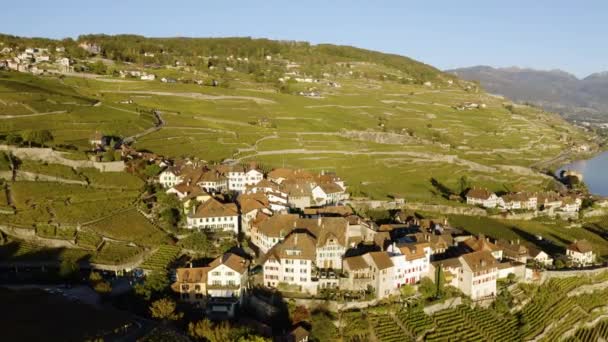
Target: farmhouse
{"x": 581, "y": 253}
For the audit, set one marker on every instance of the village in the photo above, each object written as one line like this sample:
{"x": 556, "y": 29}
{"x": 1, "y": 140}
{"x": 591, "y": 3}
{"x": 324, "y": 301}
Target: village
{"x": 276, "y": 235}
{"x": 300, "y": 236}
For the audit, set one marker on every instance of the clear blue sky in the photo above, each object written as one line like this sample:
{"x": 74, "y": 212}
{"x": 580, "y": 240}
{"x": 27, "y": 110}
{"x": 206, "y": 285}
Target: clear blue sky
{"x": 569, "y": 35}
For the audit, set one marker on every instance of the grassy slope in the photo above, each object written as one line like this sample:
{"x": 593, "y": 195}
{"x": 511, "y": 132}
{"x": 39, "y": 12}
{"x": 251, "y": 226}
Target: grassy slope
{"x": 432, "y": 138}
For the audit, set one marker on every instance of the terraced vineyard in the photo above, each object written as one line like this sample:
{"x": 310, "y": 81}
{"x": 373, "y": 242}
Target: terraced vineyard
{"x": 88, "y": 240}
{"x": 451, "y": 325}
{"x": 555, "y": 308}
{"x": 415, "y": 321}
{"x": 161, "y": 259}
{"x": 129, "y": 226}
{"x": 599, "y": 332}
{"x": 385, "y": 329}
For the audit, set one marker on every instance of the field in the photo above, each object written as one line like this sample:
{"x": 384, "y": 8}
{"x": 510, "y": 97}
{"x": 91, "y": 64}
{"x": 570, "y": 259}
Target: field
{"x": 69, "y": 204}
{"x": 130, "y": 226}
{"x": 553, "y": 312}
{"x": 161, "y": 258}
{"x": 374, "y": 131}
{"x": 116, "y": 253}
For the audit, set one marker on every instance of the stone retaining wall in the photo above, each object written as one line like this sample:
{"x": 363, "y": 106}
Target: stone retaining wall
{"x": 51, "y": 156}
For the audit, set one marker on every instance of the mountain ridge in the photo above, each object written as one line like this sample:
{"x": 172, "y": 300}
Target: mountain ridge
{"x": 554, "y": 90}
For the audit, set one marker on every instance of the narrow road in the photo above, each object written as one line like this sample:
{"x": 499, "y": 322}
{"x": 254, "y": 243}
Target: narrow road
{"x": 160, "y": 123}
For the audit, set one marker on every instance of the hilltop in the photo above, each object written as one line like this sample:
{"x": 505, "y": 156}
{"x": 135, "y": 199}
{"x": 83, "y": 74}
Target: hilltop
{"x": 387, "y": 123}
{"x": 555, "y": 90}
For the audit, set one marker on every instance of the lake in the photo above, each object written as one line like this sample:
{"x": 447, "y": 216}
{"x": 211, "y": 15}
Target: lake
{"x": 595, "y": 173}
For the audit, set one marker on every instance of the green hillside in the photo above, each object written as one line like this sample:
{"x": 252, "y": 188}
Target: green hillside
{"x": 386, "y": 123}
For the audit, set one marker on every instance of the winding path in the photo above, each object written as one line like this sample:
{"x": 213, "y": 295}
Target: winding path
{"x": 6, "y": 117}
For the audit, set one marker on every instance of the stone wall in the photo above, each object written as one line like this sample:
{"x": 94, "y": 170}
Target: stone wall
{"x": 51, "y": 156}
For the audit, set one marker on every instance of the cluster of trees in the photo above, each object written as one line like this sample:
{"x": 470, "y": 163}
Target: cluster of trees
{"x": 99, "y": 284}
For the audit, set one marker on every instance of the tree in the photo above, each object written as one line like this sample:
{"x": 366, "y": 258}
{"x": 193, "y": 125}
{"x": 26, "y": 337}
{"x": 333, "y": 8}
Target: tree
{"x": 68, "y": 269}
{"x": 205, "y": 330}
{"x": 156, "y": 282}
{"x": 463, "y": 184}
{"x": 13, "y": 139}
{"x": 407, "y": 291}
{"x": 440, "y": 280}
{"x": 108, "y": 155}
{"x": 323, "y": 327}
{"x": 164, "y": 309}
{"x": 511, "y": 278}
{"x": 152, "y": 170}
{"x": 99, "y": 284}
{"x": 196, "y": 241}
{"x": 170, "y": 216}
{"x": 44, "y": 136}
{"x": 300, "y": 314}
{"x": 427, "y": 288}
{"x": 29, "y": 136}
{"x": 37, "y": 137}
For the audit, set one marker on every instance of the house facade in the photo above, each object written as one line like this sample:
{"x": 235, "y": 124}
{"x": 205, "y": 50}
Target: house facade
{"x": 214, "y": 215}
{"x": 482, "y": 197}
{"x": 581, "y": 253}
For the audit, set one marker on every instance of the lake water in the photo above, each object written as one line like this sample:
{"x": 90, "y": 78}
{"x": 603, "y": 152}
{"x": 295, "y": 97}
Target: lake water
{"x": 595, "y": 173}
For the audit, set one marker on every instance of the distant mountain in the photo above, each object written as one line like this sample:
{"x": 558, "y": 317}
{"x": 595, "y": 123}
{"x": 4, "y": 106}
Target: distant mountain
{"x": 554, "y": 90}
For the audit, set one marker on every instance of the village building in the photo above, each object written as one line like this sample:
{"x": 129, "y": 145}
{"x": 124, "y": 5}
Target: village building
{"x": 411, "y": 262}
{"x": 328, "y": 194}
{"x": 482, "y": 243}
{"x": 250, "y": 205}
{"x": 475, "y": 274}
{"x": 513, "y": 250}
{"x": 240, "y": 176}
{"x": 519, "y": 201}
{"x": 191, "y": 284}
{"x": 270, "y": 232}
{"x": 291, "y": 262}
{"x": 299, "y": 193}
{"x": 539, "y": 257}
{"x": 482, "y": 197}
{"x": 214, "y": 215}
{"x": 439, "y": 243}
{"x": 220, "y": 286}
{"x": 549, "y": 201}
{"x": 571, "y": 204}
{"x": 581, "y": 253}
{"x": 478, "y": 275}
{"x": 213, "y": 181}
